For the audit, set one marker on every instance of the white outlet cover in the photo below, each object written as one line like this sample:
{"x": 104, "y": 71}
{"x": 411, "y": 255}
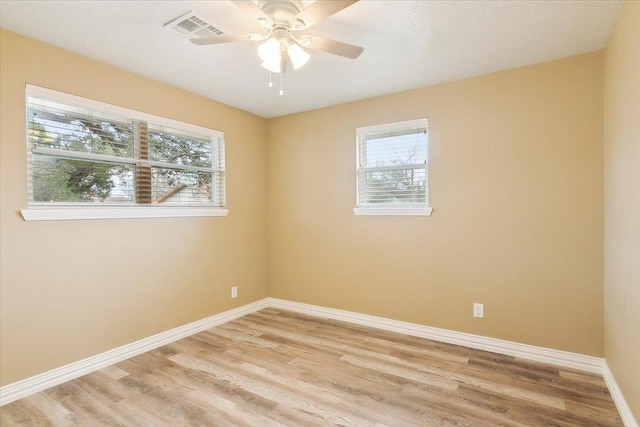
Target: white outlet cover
{"x": 234, "y": 292}
{"x": 478, "y": 310}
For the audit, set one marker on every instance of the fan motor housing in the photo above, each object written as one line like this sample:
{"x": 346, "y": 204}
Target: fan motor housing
{"x": 281, "y": 11}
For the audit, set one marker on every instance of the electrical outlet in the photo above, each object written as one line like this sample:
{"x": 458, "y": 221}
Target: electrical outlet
{"x": 234, "y": 292}
{"x": 478, "y": 310}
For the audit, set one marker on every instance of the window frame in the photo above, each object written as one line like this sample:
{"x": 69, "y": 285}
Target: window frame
{"x": 43, "y": 211}
{"x": 391, "y": 209}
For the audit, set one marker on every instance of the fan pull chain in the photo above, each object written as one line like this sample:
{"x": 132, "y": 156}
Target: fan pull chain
{"x": 281, "y": 89}
{"x": 270, "y": 79}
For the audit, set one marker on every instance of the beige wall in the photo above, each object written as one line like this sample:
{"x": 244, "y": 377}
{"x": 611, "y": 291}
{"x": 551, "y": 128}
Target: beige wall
{"x": 622, "y": 204}
{"x": 516, "y": 181}
{"x": 516, "y": 172}
{"x": 73, "y": 289}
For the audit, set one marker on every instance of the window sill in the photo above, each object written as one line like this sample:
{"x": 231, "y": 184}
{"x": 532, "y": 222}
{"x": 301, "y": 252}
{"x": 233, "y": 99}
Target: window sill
{"x": 73, "y": 213}
{"x": 393, "y": 211}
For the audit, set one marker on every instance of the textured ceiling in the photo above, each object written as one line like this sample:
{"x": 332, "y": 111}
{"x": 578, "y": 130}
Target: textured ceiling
{"x": 408, "y": 44}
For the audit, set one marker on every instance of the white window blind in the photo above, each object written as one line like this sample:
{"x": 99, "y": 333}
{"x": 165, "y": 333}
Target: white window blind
{"x": 392, "y": 168}
{"x": 186, "y": 168}
{"x": 86, "y": 153}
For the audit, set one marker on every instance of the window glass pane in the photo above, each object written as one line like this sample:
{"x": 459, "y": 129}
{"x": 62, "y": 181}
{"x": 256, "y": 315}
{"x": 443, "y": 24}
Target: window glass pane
{"x": 179, "y": 147}
{"x": 53, "y": 125}
{"x": 390, "y": 150}
{"x": 173, "y": 186}
{"x": 56, "y": 179}
{"x": 395, "y": 186}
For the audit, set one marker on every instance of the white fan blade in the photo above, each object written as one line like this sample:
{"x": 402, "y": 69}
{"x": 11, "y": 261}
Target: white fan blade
{"x": 330, "y": 46}
{"x": 322, "y": 9}
{"x": 222, "y": 39}
{"x": 251, "y": 8}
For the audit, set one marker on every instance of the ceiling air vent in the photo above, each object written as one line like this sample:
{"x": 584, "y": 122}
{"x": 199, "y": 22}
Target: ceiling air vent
{"x": 192, "y": 25}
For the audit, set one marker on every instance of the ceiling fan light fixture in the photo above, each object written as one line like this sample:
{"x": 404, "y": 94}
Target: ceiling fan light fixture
{"x": 274, "y": 67}
{"x": 269, "y": 51}
{"x": 298, "y": 56}
{"x": 283, "y": 20}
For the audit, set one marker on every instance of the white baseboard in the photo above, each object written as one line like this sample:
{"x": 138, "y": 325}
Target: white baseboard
{"x": 623, "y": 407}
{"x": 525, "y": 351}
{"x": 26, "y": 387}
{"x": 56, "y": 376}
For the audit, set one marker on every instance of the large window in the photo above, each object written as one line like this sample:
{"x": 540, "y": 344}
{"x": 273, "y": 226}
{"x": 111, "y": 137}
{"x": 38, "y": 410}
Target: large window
{"x": 392, "y": 169}
{"x": 86, "y": 159}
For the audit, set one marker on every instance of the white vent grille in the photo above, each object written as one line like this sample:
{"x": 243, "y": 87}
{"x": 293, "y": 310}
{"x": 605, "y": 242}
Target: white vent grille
{"x": 192, "y": 25}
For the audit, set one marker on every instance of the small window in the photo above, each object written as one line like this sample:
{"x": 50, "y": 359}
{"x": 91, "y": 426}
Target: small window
{"x": 392, "y": 169}
{"x": 85, "y": 156}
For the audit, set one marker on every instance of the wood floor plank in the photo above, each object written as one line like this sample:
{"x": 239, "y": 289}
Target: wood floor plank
{"x": 275, "y": 368}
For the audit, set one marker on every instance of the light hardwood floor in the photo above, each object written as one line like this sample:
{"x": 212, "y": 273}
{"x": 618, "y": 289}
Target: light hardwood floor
{"x": 278, "y": 368}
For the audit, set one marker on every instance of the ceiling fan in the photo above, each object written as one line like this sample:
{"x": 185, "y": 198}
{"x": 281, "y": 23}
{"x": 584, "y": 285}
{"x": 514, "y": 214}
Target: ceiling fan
{"x": 286, "y": 21}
